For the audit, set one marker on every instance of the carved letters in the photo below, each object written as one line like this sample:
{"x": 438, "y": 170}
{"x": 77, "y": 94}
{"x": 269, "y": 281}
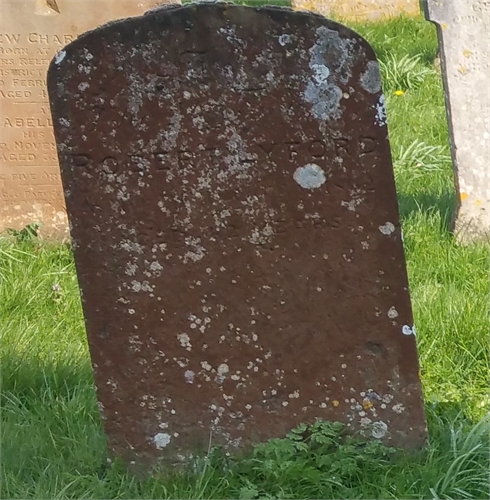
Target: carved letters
{"x": 161, "y": 161}
{"x": 30, "y": 35}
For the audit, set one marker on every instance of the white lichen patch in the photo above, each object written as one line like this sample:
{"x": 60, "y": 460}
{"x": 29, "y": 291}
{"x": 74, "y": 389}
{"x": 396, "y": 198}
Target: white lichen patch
{"x": 141, "y": 286}
{"x": 380, "y": 118}
{"x": 112, "y": 384}
{"x": 161, "y": 440}
{"x": 123, "y": 194}
{"x": 198, "y": 323}
{"x": 131, "y": 247}
{"x": 371, "y": 79}
{"x": 223, "y": 369}
{"x": 162, "y": 207}
{"x": 387, "y": 228}
{"x": 352, "y": 204}
{"x": 189, "y": 376}
{"x": 261, "y": 236}
{"x": 135, "y": 343}
{"x": 155, "y": 267}
{"x": 182, "y": 362}
{"x": 407, "y": 330}
{"x": 357, "y": 197}
{"x": 206, "y": 366}
{"x": 196, "y": 251}
{"x": 310, "y": 176}
{"x": 365, "y": 422}
{"x": 284, "y": 39}
{"x": 387, "y": 398}
{"x": 398, "y": 408}
{"x": 84, "y": 69}
{"x": 135, "y": 99}
{"x": 131, "y": 269}
{"x": 232, "y": 37}
{"x": 58, "y": 58}
{"x": 185, "y": 340}
{"x": 379, "y": 430}
{"x": 392, "y": 313}
{"x": 239, "y": 160}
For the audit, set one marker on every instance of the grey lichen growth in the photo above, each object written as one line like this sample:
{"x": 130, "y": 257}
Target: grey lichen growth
{"x": 322, "y": 91}
{"x": 311, "y": 176}
{"x": 371, "y": 79}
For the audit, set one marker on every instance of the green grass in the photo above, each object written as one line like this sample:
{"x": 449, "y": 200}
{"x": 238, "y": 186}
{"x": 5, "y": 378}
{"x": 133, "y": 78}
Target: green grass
{"x": 52, "y": 442}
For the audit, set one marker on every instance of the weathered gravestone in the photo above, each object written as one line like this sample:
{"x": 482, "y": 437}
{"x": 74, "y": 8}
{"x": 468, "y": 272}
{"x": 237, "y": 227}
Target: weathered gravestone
{"x": 464, "y": 37}
{"x": 31, "y": 32}
{"x": 229, "y": 184}
{"x": 373, "y": 10}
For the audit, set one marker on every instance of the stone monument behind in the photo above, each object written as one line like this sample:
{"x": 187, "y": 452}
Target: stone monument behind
{"x": 31, "y": 32}
{"x": 464, "y": 36}
{"x": 235, "y": 225}
{"x": 359, "y": 10}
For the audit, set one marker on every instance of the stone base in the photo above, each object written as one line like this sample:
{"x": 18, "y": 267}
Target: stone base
{"x": 472, "y": 222}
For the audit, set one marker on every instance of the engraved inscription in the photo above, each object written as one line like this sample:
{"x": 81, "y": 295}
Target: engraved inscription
{"x": 31, "y": 33}
{"x": 294, "y": 151}
{"x": 28, "y": 158}
{"x": 33, "y": 50}
{"x": 465, "y": 19}
{"x": 483, "y": 6}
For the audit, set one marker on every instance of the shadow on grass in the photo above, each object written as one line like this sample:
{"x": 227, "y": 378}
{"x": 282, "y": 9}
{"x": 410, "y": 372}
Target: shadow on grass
{"x": 443, "y": 205}
{"x": 30, "y": 380}
{"x": 57, "y": 406}
{"x": 443, "y": 415}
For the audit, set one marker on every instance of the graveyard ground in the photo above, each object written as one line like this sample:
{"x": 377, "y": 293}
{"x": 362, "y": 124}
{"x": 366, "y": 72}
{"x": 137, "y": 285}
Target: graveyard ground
{"x": 52, "y": 442}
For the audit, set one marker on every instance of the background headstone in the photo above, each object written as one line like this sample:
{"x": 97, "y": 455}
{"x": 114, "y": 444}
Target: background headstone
{"x": 31, "y": 32}
{"x": 235, "y": 226}
{"x": 464, "y": 36}
{"x": 359, "y": 10}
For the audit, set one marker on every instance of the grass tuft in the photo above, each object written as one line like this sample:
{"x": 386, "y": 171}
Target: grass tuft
{"x": 405, "y": 73}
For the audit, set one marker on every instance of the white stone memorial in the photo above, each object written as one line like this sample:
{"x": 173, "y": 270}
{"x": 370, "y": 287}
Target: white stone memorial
{"x": 464, "y": 38}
